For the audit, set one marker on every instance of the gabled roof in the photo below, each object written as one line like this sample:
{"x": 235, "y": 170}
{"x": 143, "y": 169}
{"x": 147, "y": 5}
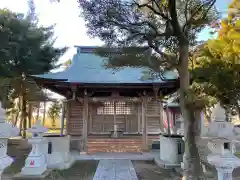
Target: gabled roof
{"x": 87, "y": 67}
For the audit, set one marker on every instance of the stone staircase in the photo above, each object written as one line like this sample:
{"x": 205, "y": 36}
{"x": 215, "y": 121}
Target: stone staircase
{"x": 114, "y": 145}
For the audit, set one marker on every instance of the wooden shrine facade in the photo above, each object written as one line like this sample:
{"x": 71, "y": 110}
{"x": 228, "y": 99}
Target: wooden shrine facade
{"x": 126, "y": 114}
{"x": 100, "y": 101}
{"x": 101, "y": 110}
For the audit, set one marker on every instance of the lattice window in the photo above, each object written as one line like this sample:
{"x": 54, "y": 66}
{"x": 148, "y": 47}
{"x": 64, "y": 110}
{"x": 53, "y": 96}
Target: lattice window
{"x": 121, "y": 108}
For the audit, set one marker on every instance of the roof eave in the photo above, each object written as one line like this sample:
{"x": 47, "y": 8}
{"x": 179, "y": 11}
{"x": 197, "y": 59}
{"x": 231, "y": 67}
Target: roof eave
{"x": 46, "y": 79}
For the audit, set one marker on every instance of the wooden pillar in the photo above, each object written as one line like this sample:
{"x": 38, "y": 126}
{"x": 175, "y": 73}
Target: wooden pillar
{"x": 90, "y": 118}
{"x": 114, "y": 119}
{"x": 168, "y": 120}
{"x": 161, "y": 116}
{"x": 139, "y": 117}
{"x": 202, "y": 123}
{"x": 85, "y": 121}
{"x": 63, "y": 118}
{"x": 68, "y": 115}
{"x": 144, "y": 123}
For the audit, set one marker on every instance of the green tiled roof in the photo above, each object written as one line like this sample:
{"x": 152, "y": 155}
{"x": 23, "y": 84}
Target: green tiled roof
{"x": 88, "y": 67}
{"x": 172, "y": 104}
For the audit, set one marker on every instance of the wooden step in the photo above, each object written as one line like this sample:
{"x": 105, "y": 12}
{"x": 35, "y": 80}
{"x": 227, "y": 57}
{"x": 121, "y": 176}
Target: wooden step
{"x": 114, "y": 141}
{"x": 114, "y": 145}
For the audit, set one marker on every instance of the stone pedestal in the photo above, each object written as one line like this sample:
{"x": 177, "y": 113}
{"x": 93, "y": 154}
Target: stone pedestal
{"x": 6, "y": 131}
{"x": 36, "y": 162}
{"x": 224, "y": 165}
{"x": 5, "y": 160}
{"x": 171, "y": 149}
{"x": 58, "y": 152}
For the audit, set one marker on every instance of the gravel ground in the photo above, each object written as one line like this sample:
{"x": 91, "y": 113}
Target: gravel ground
{"x": 148, "y": 170}
{"x": 84, "y": 170}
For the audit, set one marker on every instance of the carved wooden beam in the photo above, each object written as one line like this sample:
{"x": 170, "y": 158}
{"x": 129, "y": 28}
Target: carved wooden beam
{"x": 74, "y": 89}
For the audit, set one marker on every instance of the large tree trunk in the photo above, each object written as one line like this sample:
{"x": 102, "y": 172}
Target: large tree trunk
{"x": 23, "y": 106}
{"x": 192, "y": 167}
{"x": 29, "y": 115}
{"x": 53, "y": 122}
{"x": 23, "y": 118}
{"x": 238, "y": 111}
{"x": 16, "y": 119}
{"x": 38, "y": 111}
{"x": 44, "y": 112}
{"x": 198, "y": 117}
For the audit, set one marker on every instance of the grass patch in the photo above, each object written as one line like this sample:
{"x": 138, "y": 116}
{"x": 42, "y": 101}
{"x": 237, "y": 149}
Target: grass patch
{"x": 237, "y": 154}
{"x": 148, "y": 170}
{"x": 19, "y": 156}
{"x": 81, "y": 170}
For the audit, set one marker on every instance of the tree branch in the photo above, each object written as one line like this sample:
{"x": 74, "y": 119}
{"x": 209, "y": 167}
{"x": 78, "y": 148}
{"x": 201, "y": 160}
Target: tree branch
{"x": 136, "y": 32}
{"x": 186, "y": 10}
{"x": 174, "y": 20}
{"x": 165, "y": 58}
{"x": 209, "y": 3}
{"x": 152, "y": 9}
{"x": 157, "y": 2}
{"x": 208, "y": 9}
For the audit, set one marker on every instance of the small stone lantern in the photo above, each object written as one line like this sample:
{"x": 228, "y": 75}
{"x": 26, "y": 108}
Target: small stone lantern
{"x": 6, "y": 131}
{"x": 36, "y": 162}
{"x": 222, "y": 138}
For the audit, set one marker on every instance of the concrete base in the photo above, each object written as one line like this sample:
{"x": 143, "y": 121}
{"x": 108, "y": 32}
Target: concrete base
{"x": 113, "y": 156}
{"x": 83, "y": 153}
{"x": 165, "y": 164}
{"x": 171, "y": 149}
{"x": 20, "y": 176}
{"x": 38, "y": 168}
{"x": 5, "y": 162}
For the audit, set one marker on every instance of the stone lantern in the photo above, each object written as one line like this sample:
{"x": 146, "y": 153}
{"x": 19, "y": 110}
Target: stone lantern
{"x": 6, "y": 131}
{"x": 222, "y": 138}
{"x": 36, "y": 162}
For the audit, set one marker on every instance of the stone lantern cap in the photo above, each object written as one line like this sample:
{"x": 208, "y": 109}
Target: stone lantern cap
{"x": 6, "y": 129}
{"x": 222, "y": 130}
{"x": 228, "y": 160}
{"x": 37, "y": 128}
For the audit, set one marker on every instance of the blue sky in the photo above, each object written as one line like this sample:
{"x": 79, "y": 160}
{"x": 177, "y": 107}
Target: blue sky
{"x": 70, "y": 28}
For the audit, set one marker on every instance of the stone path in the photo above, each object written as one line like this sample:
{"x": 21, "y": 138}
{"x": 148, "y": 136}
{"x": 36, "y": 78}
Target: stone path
{"x": 115, "y": 170}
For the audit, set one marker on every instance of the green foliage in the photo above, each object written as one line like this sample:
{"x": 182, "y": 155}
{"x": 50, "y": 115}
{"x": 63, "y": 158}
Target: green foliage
{"x": 222, "y": 76}
{"x": 148, "y": 33}
{"x": 198, "y": 98}
{"x": 217, "y": 63}
{"x": 54, "y": 112}
{"x": 25, "y": 49}
{"x": 153, "y": 24}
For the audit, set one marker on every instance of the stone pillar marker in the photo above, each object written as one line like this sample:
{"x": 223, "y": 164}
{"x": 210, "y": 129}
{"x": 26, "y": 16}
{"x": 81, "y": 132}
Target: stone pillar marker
{"x": 36, "y": 162}
{"x": 6, "y": 131}
{"x": 222, "y": 138}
